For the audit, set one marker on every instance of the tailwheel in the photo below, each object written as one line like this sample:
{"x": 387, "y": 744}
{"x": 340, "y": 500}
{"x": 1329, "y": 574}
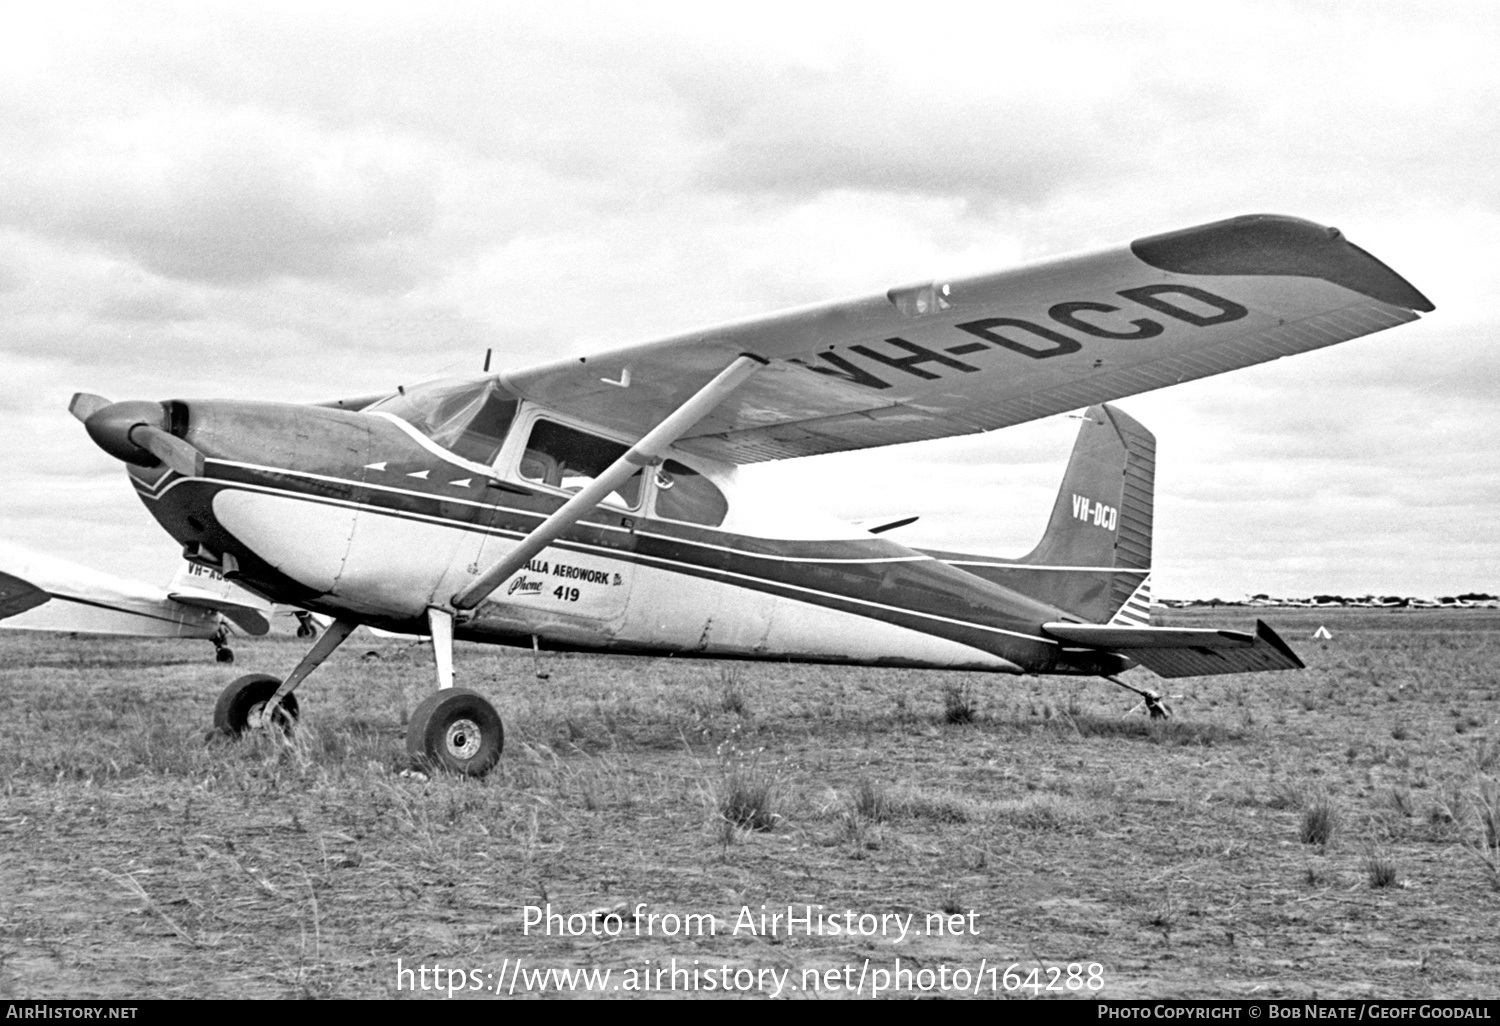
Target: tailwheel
{"x": 242, "y": 705}
{"x": 458, "y": 731}
{"x": 1152, "y": 700}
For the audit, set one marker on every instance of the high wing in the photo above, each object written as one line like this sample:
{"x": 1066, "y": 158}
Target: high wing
{"x": 1186, "y": 651}
{"x": 944, "y": 358}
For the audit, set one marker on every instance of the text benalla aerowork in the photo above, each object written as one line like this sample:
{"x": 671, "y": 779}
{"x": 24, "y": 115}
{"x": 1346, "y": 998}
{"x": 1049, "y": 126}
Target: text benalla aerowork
{"x": 781, "y": 921}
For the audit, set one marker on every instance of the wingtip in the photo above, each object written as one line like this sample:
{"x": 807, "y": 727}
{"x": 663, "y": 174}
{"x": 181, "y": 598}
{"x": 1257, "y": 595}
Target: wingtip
{"x": 1274, "y": 244}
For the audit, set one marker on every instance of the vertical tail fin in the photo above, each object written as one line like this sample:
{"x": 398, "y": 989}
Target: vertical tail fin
{"x": 1094, "y": 560}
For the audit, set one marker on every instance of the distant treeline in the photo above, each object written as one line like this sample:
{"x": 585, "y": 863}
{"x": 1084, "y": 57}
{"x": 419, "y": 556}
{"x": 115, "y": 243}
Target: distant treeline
{"x": 1470, "y": 598}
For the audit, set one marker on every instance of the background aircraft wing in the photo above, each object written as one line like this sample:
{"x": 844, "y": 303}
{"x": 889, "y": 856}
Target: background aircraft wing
{"x": 954, "y": 357}
{"x": 1186, "y": 651}
{"x": 44, "y": 593}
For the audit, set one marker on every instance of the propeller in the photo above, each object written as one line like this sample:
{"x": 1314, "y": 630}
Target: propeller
{"x": 132, "y": 431}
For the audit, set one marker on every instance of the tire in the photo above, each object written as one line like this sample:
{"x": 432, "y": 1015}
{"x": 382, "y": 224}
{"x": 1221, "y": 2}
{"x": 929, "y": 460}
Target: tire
{"x": 242, "y": 701}
{"x": 224, "y": 655}
{"x": 457, "y": 731}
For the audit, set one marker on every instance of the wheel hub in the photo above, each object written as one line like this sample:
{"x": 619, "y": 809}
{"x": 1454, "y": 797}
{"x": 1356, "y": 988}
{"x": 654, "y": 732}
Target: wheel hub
{"x": 463, "y": 739}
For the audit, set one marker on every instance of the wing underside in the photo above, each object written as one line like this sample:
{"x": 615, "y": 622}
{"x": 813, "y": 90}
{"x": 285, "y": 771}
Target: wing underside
{"x": 956, "y": 357}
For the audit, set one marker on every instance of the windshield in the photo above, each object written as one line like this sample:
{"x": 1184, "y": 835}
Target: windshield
{"x": 468, "y": 417}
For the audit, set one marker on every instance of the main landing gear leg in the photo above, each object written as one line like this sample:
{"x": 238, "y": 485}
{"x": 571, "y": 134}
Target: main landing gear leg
{"x": 456, "y": 729}
{"x": 1152, "y": 700}
{"x": 259, "y": 699}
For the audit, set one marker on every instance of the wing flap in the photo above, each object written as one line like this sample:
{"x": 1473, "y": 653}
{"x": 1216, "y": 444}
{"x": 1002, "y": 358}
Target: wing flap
{"x": 1186, "y": 651}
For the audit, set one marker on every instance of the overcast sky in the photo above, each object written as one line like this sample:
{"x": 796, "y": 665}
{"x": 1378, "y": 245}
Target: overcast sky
{"x": 304, "y": 201}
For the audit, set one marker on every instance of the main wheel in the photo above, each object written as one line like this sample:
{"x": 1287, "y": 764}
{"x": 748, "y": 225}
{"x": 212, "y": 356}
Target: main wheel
{"x": 458, "y": 731}
{"x": 242, "y": 705}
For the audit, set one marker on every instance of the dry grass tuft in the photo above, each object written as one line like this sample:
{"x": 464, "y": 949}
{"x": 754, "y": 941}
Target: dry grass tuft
{"x": 871, "y": 801}
{"x": 732, "y": 693}
{"x": 1380, "y": 871}
{"x": 958, "y": 704}
{"x": 1320, "y": 822}
{"x": 750, "y": 791}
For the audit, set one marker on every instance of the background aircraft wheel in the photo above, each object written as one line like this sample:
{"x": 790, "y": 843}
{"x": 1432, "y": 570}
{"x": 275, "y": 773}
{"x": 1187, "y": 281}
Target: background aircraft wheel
{"x": 458, "y": 731}
{"x": 306, "y": 630}
{"x": 242, "y": 704}
{"x": 224, "y": 654}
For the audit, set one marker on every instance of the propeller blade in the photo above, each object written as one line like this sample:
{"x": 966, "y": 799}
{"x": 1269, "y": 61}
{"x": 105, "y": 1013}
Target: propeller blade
{"x": 170, "y": 449}
{"x": 85, "y": 404}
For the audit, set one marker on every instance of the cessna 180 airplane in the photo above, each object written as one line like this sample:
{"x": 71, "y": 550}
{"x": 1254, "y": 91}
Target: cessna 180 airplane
{"x": 592, "y": 503}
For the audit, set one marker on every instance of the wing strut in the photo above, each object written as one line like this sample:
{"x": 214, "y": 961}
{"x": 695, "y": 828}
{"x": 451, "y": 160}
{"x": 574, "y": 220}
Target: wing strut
{"x": 647, "y": 452}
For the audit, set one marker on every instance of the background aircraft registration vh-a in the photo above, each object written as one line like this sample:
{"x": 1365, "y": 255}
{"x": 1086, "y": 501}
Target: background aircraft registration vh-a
{"x": 593, "y": 504}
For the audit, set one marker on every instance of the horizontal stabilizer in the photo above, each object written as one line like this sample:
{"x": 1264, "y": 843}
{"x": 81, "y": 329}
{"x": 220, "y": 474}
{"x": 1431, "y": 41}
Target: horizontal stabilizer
{"x": 17, "y": 595}
{"x": 1186, "y": 651}
{"x": 206, "y": 588}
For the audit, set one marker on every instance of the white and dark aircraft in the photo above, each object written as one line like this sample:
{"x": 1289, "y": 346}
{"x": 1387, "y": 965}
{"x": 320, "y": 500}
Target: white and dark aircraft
{"x": 592, "y": 503}
{"x": 39, "y": 592}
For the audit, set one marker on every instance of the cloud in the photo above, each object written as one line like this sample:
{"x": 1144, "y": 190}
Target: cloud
{"x": 299, "y": 203}
{"x": 234, "y": 197}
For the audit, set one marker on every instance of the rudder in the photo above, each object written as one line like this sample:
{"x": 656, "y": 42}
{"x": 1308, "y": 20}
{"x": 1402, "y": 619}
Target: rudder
{"x": 1094, "y": 560}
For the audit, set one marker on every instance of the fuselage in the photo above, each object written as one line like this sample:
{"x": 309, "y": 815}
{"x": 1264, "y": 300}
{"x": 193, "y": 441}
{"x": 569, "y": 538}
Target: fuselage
{"x": 364, "y": 516}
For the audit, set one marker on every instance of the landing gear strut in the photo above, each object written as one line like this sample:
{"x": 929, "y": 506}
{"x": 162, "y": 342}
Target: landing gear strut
{"x": 456, "y": 729}
{"x": 1152, "y": 700}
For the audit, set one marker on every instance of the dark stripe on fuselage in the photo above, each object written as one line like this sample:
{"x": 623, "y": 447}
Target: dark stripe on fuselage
{"x": 880, "y": 579}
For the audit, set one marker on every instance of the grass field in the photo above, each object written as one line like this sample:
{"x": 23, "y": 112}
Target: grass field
{"x": 1329, "y": 833}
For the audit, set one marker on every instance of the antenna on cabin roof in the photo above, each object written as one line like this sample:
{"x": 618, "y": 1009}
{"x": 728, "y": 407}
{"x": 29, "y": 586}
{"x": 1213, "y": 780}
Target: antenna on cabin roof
{"x": 487, "y": 353}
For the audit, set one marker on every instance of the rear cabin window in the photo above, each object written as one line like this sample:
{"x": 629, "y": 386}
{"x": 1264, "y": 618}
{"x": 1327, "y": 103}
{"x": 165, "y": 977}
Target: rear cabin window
{"x": 684, "y": 494}
{"x": 468, "y": 418}
{"x": 564, "y": 458}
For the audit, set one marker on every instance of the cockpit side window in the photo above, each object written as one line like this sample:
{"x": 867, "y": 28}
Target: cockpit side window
{"x": 568, "y": 459}
{"x": 468, "y": 418}
{"x": 684, "y": 494}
